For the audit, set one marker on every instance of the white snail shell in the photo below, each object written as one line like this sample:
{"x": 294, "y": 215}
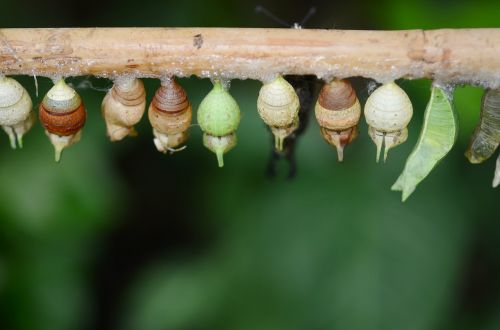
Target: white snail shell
{"x": 388, "y": 111}
{"x": 16, "y": 110}
{"x": 123, "y": 107}
{"x": 278, "y": 105}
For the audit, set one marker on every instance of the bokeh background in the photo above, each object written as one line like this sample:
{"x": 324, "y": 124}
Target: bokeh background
{"x": 119, "y": 236}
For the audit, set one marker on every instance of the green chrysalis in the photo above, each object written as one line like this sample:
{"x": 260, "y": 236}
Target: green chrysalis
{"x": 219, "y": 117}
{"x": 436, "y": 139}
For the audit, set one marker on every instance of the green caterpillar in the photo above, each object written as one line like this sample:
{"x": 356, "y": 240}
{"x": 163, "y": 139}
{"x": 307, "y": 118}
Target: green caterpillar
{"x": 436, "y": 139}
{"x": 486, "y": 136}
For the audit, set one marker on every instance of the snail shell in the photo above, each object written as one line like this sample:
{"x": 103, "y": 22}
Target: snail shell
{"x": 63, "y": 115}
{"x": 170, "y": 115}
{"x": 486, "y": 136}
{"x": 338, "y": 111}
{"x": 16, "y": 110}
{"x": 219, "y": 117}
{"x": 123, "y": 107}
{"x": 388, "y": 110}
{"x": 278, "y": 105}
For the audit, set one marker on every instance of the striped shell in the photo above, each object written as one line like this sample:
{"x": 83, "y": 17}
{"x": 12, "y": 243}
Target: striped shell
{"x": 170, "y": 115}
{"x": 16, "y": 110}
{"x": 337, "y": 107}
{"x": 338, "y": 111}
{"x": 278, "y": 104}
{"x": 388, "y": 110}
{"x": 63, "y": 115}
{"x": 123, "y": 107}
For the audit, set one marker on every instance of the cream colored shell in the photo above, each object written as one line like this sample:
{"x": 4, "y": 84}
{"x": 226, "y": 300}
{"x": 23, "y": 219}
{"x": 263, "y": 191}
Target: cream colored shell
{"x": 278, "y": 103}
{"x": 61, "y": 98}
{"x": 119, "y": 116}
{"x": 343, "y": 119}
{"x": 15, "y": 102}
{"x": 388, "y": 109}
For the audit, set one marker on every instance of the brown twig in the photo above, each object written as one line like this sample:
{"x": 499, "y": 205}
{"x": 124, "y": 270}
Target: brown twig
{"x": 449, "y": 56}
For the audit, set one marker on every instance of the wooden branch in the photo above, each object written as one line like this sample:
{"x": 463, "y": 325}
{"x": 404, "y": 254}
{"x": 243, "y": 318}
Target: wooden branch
{"x": 448, "y": 56}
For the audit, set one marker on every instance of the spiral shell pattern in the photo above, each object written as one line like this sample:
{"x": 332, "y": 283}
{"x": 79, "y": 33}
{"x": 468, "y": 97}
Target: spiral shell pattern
{"x": 123, "y": 107}
{"x": 278, "y": 105}
{"x": 63, "y": 115}
{"x": 16, "y": 110}
{"x": 170, "y": 116}
{"x": 338, "y": 111}
{"x": 388, "y": 111}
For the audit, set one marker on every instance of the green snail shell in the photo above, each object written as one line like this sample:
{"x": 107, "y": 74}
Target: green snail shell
{"x": 218, "y": 113}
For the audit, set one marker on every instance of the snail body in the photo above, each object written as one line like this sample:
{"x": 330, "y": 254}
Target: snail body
{"x": 219, "y": 117}
{"x": 16, "y": 110}
{"x": 123, "y": 107}
{"x": 278, "y": 106}
{"x": 388, "y": 110}
{"x": 486, "y": 136}
{"x": 338, "y": 112}
{"x": 170, "y": 116}
{"x": 63, "y": 115}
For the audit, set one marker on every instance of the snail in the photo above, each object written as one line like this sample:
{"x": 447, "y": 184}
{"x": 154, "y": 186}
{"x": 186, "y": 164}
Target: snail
{"x": 63, "y": 115}
{"x": 438, "y": 134}
{"x": 338, "y": 112}
{"x": 388, "y": 111}
{"x": 305, "y": 87}
{"x": 278, "y": 105}
{"x": 16, "y": 110}
{"x": 170, "y": 115}
{"x": 123, "y": 107}
{"x": 219, "y": 117}
{"x": 486, "y": 136}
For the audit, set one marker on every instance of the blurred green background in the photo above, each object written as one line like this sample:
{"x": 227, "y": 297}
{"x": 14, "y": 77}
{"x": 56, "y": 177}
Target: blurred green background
{"x": 119, "y": 236}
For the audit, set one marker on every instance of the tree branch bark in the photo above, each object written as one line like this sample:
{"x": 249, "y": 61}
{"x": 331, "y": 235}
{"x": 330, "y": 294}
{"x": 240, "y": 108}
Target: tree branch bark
{"x": 469, "y": 56}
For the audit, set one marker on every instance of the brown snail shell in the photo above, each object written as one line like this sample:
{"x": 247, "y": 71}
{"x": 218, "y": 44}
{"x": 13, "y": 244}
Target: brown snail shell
{"x": 63, "y": 115}
{"x": 338, "y": 112}
{"x": 170, "y": 116}
{"x": 123, "y": 107}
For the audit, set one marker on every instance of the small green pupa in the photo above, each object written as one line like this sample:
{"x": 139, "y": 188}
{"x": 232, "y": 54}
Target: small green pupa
{"x": 219, "y": 117}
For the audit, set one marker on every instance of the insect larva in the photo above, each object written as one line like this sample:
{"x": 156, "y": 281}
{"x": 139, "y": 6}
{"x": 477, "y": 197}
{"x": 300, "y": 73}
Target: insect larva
{"x": 436, "y": 139}
{"x": 170, "y": 115}
{"x": 486, "y": 136}
{"x": 63, "y": 115}
{"x": 123, "y": 107}
{"x": 16, "y": 110}
{"x": 338, "y": 112}
{"x": 219, "y": 117}
{"x": 388, "y": 111}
